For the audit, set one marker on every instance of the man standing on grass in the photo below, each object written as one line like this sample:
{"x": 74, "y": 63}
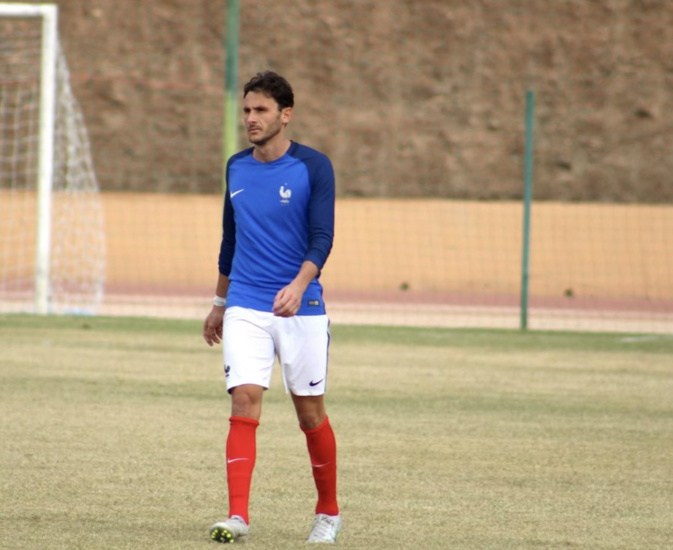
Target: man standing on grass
{"x": 278, "y": 228}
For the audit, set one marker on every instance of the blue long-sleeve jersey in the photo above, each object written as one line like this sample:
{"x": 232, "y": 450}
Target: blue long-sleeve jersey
{"x": 276, "y": 216}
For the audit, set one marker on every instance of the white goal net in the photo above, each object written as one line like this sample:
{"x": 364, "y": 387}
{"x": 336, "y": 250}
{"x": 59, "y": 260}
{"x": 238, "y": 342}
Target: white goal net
{"x": 52, "y": 242}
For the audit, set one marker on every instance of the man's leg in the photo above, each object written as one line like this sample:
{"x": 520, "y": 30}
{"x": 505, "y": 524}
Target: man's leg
{"x": 246, "y": 409}
{"x": 304, "y": 359}
{"x": 321, "y": 445}
{"x": 322, "y": 450}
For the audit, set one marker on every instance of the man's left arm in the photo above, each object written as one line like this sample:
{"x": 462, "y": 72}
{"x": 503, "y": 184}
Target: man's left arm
{"x": 321, "y": 212}
{"x": 320, "y": 236}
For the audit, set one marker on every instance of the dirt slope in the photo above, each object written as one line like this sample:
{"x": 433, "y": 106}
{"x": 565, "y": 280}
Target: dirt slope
{"x": 409, "y": 98}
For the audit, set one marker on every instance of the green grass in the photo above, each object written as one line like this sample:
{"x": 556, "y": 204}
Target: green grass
{"x": 113, "y": 434}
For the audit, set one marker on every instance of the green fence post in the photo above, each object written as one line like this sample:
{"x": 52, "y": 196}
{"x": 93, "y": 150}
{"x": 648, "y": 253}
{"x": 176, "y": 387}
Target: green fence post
{"x": 230, "y": 123}
{"x": 527, "y": 198}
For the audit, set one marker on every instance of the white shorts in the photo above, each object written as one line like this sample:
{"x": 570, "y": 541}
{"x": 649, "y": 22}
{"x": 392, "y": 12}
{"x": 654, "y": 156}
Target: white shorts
{"x": 251, "y": 341}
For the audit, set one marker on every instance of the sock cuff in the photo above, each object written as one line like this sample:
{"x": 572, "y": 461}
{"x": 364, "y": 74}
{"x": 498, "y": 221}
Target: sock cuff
{"x": 243, "y": 421}
{"x": 324, "y": 424}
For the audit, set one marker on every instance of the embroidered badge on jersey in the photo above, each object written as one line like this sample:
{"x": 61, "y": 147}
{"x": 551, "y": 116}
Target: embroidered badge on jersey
{"x": 285, "y": 194}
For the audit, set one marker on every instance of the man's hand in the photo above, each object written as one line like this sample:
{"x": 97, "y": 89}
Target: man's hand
{"x": 287, "y": 301}
{"x": 212, "y": 326}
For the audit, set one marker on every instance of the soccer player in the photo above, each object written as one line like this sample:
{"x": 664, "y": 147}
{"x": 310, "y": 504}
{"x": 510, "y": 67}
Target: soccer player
{"x": 278, "y": 228}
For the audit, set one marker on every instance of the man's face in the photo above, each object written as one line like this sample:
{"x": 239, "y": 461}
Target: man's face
{"x": 263, "y": 120}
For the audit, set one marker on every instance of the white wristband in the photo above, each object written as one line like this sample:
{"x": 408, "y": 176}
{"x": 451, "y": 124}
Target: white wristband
{"x": 219, "y": 301}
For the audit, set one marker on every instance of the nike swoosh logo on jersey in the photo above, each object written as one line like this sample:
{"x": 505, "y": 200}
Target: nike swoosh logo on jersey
{"x": 232, "y": 195}
{"x": 321, "y": 465}
{"x": 312, "y": 383}
{"x": 230, "y": 460}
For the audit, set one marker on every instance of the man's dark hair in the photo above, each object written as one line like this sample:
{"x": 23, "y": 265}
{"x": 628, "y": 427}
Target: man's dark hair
{"x": 273, "y": 85}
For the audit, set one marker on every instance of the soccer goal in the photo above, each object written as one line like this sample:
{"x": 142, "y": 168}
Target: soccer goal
{"x": 52, "y": 242}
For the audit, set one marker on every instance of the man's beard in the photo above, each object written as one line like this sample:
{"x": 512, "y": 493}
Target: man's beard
{"x": 264, "y": 139}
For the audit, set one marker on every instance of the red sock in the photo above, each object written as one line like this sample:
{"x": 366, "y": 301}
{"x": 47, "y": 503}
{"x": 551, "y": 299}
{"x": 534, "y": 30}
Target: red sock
{"x": 241, "y": 454}
{"x": 323, "y": 453}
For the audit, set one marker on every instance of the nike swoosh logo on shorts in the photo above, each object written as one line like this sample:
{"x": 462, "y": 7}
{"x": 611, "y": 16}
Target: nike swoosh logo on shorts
{"x": 312, "y": 383}
{"x": 230, "y": 460}
{"x": 232, "y": 195}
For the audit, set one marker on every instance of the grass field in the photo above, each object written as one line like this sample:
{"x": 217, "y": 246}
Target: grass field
{"x": 113, "y": 434}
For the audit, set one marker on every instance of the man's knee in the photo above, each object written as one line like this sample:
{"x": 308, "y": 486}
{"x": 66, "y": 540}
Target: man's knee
{"x": 246, "y": 401}
{"x": 310, "y": 411}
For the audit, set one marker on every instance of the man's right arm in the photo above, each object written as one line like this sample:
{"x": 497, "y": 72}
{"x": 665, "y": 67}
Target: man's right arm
{"x": 212, "y": 326}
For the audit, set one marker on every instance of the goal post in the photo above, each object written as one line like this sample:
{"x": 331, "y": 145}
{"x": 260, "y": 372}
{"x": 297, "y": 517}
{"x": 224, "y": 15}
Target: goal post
{"x": 49, "y": 16}
{"x": 44, "y": 152}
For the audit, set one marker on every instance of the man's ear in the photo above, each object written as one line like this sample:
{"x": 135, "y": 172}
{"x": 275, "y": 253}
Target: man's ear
{"x": 286, "y": 115}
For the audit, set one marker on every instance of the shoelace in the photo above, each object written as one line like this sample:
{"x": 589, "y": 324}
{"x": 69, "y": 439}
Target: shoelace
{"x": 239, "y": 522}
{"x": 324, "y": 527}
